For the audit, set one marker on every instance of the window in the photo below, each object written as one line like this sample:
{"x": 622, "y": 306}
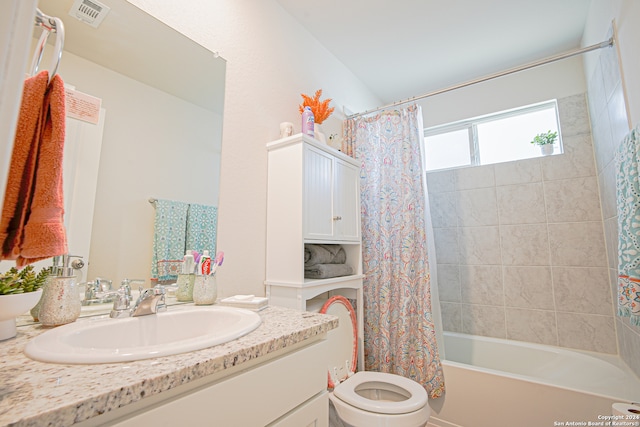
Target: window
{"x": 495, "y": 138}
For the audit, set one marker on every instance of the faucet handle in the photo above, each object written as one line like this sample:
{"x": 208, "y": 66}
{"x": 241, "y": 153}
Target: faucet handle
{"x": 129, "y": 282}
{"x": 103, "y": 284}
{"x": 122, "y": 302}
{"x": 160, "y": 290}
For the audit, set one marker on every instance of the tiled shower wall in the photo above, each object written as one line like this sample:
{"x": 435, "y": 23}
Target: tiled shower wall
{"x": 520, "y": 246}
{"x": 610, "y": 125}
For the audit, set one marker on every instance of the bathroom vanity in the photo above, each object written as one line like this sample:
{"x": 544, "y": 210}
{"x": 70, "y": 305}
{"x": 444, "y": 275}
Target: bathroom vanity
{"x": 274, "y": 376}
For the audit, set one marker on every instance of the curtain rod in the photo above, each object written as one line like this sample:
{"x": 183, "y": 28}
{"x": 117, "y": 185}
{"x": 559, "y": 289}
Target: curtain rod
{"x": 544, "y": 61}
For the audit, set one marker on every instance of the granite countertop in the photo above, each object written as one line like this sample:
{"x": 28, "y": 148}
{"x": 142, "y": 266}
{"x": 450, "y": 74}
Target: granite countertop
{"x": 44, "y": 394}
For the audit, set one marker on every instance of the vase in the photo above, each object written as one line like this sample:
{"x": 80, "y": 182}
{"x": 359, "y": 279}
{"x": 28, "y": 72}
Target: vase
{"x": 317, "y": 130}
{"x": 12, "y": 306}
{"x": 546, "y": 149}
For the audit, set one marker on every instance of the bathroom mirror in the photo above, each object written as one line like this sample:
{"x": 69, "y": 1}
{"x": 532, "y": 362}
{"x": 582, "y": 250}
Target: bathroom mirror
{"x": 162, "y": 97}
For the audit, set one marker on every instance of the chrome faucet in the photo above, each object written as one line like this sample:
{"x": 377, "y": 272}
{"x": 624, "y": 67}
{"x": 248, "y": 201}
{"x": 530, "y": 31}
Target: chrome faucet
{"x": 99, "y": 291}
{"x": 150, "y": 301}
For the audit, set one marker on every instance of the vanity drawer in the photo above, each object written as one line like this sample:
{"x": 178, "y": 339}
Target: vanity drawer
{"x": 254, "y": 397}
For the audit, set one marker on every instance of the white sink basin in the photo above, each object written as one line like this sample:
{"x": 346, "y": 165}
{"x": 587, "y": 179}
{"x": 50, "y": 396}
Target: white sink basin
{"x": 104, "y": 340}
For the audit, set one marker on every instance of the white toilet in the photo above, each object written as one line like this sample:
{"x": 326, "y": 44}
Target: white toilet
{"x": 368, "y": 399}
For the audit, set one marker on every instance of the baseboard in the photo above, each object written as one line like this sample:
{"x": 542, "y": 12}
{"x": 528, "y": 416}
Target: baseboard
{"x": 435, "y": 422}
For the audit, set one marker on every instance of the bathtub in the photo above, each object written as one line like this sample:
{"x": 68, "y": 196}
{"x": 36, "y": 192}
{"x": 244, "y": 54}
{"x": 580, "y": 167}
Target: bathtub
{"x": 494, "y": 383}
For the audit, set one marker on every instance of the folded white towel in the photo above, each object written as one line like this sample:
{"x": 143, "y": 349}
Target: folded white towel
{"x": 246, "y": 301}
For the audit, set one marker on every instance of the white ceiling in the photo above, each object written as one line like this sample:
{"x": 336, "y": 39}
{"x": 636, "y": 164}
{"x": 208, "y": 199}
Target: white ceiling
{"x": 405, "y": 48}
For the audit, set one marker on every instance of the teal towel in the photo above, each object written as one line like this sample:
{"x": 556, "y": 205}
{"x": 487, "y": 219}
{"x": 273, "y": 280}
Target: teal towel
{"x": 202, "y": 223}
{"x": 628, "y": 207}
{"x": 169, "y": 239}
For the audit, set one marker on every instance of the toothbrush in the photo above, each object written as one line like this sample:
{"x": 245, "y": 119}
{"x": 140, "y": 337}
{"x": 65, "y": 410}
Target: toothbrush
{"x": 217, "y": 262}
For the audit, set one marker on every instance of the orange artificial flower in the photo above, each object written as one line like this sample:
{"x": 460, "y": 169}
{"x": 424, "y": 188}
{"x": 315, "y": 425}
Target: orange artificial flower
{"x": 320, "y": 109}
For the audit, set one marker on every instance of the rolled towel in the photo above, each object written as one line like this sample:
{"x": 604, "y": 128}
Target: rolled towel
{"x": 324, "y": 254}
{"x": 326, "y": 271}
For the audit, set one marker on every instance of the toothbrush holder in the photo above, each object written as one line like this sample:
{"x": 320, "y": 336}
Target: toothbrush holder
{"x": 205, "y": 289}
{"x": 185, "y": 283}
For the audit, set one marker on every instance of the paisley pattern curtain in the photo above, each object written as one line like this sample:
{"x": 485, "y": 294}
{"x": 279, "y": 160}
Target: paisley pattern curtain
{"x": 628, "y": 209}
{"x": 399, "y": 333}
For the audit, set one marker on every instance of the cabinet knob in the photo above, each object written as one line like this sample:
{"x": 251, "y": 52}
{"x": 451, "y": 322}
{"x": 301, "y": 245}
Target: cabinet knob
{"x": 337, "y": 218}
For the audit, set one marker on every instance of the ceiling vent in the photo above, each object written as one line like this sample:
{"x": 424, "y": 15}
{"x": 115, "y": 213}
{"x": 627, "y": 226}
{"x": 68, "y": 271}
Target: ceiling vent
{"x": 90, "y": 11}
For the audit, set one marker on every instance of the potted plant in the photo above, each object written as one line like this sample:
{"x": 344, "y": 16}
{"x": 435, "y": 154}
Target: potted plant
{"x": 320, "y": 109}
{"x": 545, "y": 141}
{"x": 19, "y": 292}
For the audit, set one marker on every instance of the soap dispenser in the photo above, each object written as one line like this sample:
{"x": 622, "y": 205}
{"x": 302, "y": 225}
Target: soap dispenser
{"x": 60, "y": 298}
{"x": 35, "y": 311}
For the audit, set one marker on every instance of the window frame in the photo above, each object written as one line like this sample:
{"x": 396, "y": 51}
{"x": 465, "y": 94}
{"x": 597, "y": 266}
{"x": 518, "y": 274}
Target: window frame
{"x": 472, "y": 126}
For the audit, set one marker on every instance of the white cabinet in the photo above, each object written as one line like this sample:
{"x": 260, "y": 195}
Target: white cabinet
{"x": 289, "y": 390}
{"x": 330, "y": 196}
{"x": 313, "y": 196}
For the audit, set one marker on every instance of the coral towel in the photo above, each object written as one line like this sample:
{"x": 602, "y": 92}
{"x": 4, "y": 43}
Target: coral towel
{"x": 32, "y": 225}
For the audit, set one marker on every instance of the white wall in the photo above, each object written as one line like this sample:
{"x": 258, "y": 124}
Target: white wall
{"x": 626, "y": 14}
{"x": 556, "y": 80}
{"x": 271, "y": 59}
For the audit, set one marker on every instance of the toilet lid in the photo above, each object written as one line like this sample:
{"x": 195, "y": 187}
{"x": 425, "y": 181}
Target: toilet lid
{"x": 416, "y": 394}
{"x": 344, "y": 339}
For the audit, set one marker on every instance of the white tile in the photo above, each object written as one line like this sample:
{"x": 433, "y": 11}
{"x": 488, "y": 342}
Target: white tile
{"x": 571, "y": 200}
{"x": 521, "y": 204}
{"x": 632, "y": 347}
{"x": 587, "y": 332}
{"x": 481, "y": 284}
{"x": 574, "y": 115}
{"x": 579, "y": 244}
{"x": 438, "y": 182}
{"x": 597, "y": 99}
{"x": 537, "y": 326}
{"x": 477, "y": 207}
{"x": 449, "y": 283}
{"x": 607, "y": 180}
{"x": 488, "y": 321}
{"x": 618, "y": 116}
{"x": 611, "y": 76}
{"x": 443, "y": 209}
{"x": 582, "y": 290}
{"x": 479, "y": 245}
{"x": 611, "y": 241}
{"x": 518, "y": 172}
{"x": 602, "y": 141}
{"x": 524, "y": 244}
{"x": 528, "y": 287}
{"x": 475, "y": 177}
{"x": 451, "y": 316}
{"x": 577, "y": 160}
{"x": 446, "y": 242}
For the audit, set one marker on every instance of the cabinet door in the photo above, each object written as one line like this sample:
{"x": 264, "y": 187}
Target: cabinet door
{"x": 317, "y": 194}
{"x": 346, "y": 211}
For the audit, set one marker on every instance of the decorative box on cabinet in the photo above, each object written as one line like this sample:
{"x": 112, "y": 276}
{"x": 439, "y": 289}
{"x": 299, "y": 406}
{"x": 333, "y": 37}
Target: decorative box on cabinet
{"x": 313, "y": 196}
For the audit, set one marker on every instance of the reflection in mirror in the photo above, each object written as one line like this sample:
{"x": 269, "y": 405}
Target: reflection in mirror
{"x": 158, "y": 135}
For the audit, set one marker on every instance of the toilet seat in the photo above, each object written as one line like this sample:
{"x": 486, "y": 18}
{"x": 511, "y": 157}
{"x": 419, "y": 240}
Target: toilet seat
{"x": 416, "y": 395}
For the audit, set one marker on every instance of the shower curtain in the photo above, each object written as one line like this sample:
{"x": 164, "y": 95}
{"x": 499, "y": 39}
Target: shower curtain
{"x": 399, "y": 333}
